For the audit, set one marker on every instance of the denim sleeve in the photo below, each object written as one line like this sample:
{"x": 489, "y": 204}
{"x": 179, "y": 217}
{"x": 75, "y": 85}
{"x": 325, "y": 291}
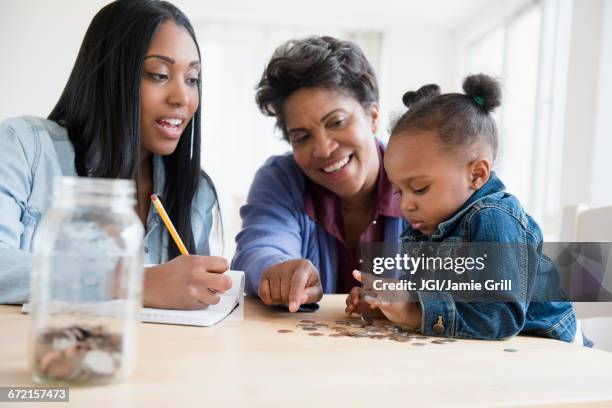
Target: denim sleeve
{"x": 486, "y": 320}
{"x": 270, "y": 226}
{"x": 15, "y": 186}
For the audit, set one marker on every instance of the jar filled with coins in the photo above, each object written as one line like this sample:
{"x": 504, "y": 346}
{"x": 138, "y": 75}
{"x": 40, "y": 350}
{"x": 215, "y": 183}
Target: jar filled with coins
{"x": 86, "y": 283}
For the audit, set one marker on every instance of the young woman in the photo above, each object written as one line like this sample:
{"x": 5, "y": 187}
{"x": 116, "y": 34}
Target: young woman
{"x": 130, "y": 109}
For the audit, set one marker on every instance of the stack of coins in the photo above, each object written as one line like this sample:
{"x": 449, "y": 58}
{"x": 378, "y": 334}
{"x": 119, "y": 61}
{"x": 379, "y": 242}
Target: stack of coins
{"x": 78, "y": 354}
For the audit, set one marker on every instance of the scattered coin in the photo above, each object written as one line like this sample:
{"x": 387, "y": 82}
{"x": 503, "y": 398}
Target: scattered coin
{"x": 365, "y": 316}
{"x": 351, "y": 327}
{"x": 511, "y": 350}
{"x": 399, "y": 339}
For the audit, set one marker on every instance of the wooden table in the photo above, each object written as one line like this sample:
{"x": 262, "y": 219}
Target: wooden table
{"x": 247, "y": 363}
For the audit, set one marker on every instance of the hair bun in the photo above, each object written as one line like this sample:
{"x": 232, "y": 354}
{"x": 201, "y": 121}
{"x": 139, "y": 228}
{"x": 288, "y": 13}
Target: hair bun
{"x": 485, "y": 88}
{"x": 423, "y": 93}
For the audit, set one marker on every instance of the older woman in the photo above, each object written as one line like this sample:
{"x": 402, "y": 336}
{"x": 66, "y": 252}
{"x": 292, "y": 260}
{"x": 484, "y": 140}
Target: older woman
{"x": 308, "y": 212}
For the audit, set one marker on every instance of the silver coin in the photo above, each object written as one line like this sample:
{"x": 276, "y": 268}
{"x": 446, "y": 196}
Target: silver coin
{"x": 418, "y": 344}
{"x": 365, "y": 316}
{"x": 98, "y": 362}
{"x": 309, "y": 328}
{"x": 511, "y": 350}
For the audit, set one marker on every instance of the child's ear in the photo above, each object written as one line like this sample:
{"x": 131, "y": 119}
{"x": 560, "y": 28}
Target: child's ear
{"x": 480, "y": 171}
{"x": 373, "y": 113}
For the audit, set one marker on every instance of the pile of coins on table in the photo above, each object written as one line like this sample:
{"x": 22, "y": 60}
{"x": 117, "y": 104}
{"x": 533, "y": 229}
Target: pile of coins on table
{"x": 78, "y": 354}
{"x": 356, "y": 328}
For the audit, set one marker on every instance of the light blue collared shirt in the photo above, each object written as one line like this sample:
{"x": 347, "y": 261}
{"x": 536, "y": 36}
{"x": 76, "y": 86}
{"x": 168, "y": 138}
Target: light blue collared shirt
{"x": 33, "y": 151}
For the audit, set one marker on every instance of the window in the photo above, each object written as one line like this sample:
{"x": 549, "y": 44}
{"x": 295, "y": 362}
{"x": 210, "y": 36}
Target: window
{"x": 527, "y": 52}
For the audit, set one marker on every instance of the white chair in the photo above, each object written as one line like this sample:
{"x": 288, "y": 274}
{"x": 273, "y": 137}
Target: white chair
{"x": 583, "y": 224}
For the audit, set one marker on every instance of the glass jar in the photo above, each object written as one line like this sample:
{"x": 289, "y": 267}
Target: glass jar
{"x": 86, "y": 283}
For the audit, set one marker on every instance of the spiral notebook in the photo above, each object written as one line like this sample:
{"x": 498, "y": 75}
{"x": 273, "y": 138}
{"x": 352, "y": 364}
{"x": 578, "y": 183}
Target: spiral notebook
{"x": 230, "y": 307}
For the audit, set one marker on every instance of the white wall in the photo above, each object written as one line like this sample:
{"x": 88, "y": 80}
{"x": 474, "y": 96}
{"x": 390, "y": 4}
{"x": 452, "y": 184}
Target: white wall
{"x": 411, "y": 57}
{"x": 39, "y": 40}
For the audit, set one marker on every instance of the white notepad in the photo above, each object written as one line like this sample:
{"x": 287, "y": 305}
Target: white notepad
{"x": 231, "y": 304}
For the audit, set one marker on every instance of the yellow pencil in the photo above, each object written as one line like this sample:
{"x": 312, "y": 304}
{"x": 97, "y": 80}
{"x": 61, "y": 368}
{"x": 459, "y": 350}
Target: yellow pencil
{"x": 164, "y": 216}
{"x": 179, "y": 242}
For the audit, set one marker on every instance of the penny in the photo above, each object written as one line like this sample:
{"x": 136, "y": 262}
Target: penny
{"x": 399, "y": 339}
{"x": 418, "y": 344}
{"x": 309, "y": 328}
{"x": 316, "y": 334}
{"x": 307, "y": 321}
{"x": 285, "y": 331}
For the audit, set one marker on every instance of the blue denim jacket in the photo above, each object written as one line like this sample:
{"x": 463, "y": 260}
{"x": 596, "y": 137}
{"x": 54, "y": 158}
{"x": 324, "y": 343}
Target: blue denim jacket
{"x": 493, "y": 215}
{"x": 32, "y": 152}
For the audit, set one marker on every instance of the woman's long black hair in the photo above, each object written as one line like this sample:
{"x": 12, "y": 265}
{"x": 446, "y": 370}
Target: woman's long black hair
{"x": 100, "y": 107}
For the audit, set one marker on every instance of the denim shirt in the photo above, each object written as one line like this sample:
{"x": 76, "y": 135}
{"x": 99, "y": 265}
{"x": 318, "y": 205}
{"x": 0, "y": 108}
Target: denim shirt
{"x": 33, "y": 151}
{"x": 492, "y": 215}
